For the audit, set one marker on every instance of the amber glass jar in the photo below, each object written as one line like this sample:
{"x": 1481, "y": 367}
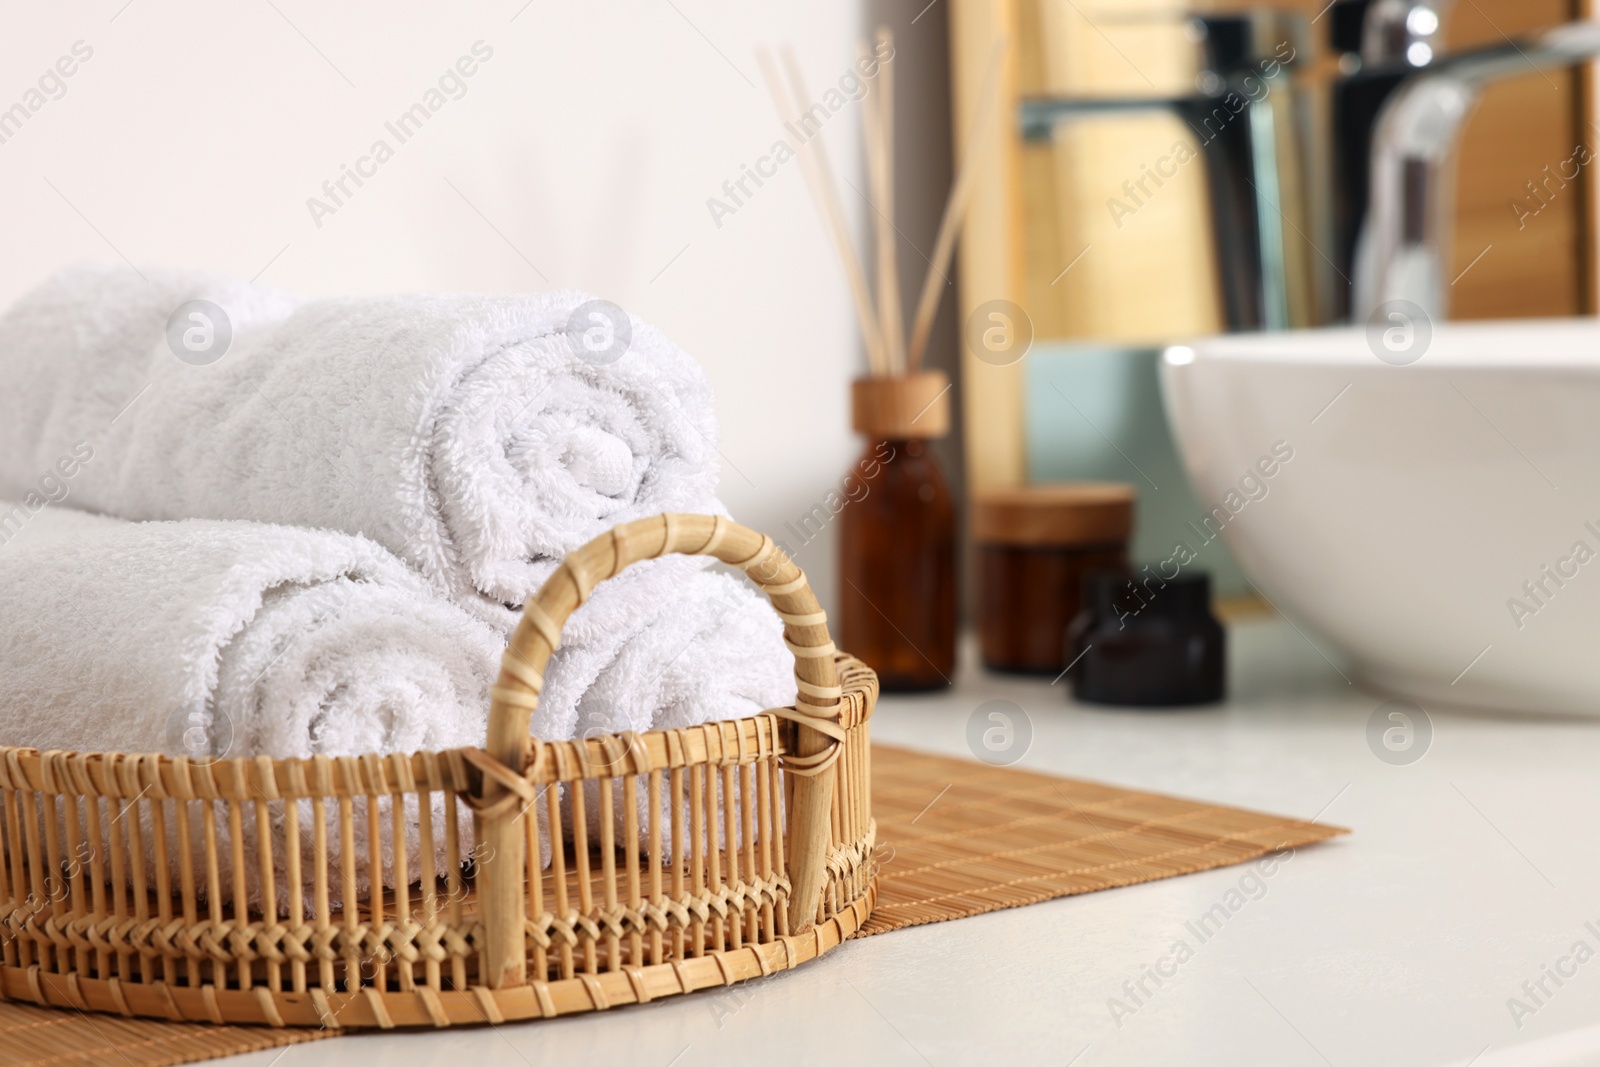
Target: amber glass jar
{"x": 1035, "y": 544}
{"x": 897, "y": 539}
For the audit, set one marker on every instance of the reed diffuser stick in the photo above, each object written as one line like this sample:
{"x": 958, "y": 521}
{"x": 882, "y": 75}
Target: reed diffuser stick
{"x": 824, "y": 194}
{"x": 889, "y": 353}
{"x": 880, "y": 106}
{"x": 955, "y": 211}
{"x": 872, "y": 153}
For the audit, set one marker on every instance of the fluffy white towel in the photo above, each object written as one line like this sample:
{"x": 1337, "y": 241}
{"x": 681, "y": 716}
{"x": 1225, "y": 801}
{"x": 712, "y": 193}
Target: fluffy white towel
{"x": 470, "y": 435}
{"x": 664, "y": 645}
{"x": 298, "y": 641}
{"x": 206, "y": 639}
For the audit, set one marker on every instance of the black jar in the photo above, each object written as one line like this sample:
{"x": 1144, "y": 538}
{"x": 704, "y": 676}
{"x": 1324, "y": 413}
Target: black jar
{"x": 1142, "y": 640}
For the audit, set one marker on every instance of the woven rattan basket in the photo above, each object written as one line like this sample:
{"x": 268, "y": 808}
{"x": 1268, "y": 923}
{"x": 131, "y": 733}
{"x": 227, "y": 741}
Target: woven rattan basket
{"x": 159, "y": 886}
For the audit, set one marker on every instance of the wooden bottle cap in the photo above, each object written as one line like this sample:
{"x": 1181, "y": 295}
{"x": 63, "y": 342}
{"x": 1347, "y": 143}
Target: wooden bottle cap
{"x": 892, "y": 409}
{"x": 1057, "y": 514}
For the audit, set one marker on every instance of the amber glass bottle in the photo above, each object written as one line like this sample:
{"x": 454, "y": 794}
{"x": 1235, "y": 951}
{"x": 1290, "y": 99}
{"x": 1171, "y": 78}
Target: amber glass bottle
{"x": 897, "y": 538}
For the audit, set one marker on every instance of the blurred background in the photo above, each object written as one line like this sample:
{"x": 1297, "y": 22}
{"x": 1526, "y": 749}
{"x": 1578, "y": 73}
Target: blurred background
{"x": 581, "y": 155}
{"x": 1257, "y": 230}
{"x": 585, "y": 153}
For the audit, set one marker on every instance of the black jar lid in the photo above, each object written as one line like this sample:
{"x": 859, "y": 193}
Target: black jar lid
{"x": 1133, "y": 594}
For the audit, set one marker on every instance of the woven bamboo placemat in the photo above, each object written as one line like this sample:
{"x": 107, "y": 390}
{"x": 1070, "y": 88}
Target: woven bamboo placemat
{"x": 966, "y": 838}
{"x": 969, "y": 838}
{"x": 34, "y": 1037}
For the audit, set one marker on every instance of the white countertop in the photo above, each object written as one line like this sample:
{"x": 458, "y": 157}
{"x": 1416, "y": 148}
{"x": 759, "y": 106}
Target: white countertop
{"x": 1468, "y": 872}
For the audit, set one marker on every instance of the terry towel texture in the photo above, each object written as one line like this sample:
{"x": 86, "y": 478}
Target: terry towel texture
{"x": 301, "y": 642}
{"x": 467, "y": 434}
{"x": 204, "y": 638}
{"x": 664, "y": 646}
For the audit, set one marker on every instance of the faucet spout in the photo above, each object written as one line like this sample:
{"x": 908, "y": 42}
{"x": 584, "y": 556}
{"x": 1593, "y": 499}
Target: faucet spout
{"x": 1402, "y": 251}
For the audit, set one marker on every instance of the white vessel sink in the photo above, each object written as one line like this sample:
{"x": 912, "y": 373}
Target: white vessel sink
{"x": 1438, "y": 522}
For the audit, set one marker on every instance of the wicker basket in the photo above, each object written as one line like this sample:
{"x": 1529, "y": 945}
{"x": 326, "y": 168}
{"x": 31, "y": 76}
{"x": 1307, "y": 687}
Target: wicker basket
{"x": 159, "y": 886}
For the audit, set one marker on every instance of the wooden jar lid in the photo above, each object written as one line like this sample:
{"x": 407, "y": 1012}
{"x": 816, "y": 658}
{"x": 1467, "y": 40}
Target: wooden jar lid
{"x": 1058, "y": 514}
{"x": 891, "y": 409}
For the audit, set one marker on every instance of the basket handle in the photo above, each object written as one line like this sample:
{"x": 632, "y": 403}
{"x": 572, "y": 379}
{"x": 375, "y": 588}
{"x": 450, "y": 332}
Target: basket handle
{"x": 516, "y": 694}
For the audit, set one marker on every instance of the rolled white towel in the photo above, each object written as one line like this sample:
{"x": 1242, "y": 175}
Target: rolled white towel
{"x": 296, "y": 642}
{"x": 659, "y": 646}
{"x": 209, "y": 639}
{"x": 706, "y": 648}
{"x": 470, "y": 435}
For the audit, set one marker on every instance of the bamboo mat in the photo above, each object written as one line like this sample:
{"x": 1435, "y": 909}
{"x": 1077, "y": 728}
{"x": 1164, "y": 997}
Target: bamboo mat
{"x": 34, "y": 1037}
{"x": 961, "y": 838}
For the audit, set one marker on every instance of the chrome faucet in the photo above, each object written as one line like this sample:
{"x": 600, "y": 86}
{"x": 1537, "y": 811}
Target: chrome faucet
{"x": 1402, "y": 250}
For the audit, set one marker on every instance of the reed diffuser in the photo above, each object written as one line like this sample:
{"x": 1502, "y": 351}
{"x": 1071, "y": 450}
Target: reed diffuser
{"x": 897, "y": 543}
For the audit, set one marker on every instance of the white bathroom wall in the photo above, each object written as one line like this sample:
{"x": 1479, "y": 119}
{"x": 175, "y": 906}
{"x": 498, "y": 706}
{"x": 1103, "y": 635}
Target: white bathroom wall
{"x": 582, "y": 154}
